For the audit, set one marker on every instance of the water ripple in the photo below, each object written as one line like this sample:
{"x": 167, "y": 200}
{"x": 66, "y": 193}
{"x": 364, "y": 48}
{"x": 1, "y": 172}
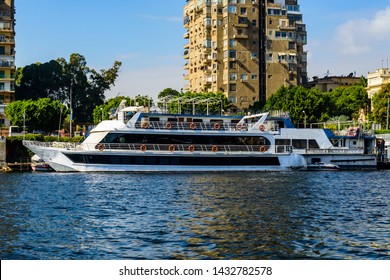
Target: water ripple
{"x": 341, "y": 215}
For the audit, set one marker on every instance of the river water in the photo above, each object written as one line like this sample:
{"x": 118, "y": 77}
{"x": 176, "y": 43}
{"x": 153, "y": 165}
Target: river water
{"x": 137, "y": 216}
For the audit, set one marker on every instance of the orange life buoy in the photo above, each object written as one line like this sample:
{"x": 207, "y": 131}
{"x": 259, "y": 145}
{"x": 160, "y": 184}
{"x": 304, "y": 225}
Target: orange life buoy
{"x": 171, "y": 148}
{"x": 101, "y": 147}
{"x": 262, "y": 149}
{"x": 262, "y": 127}
{"x": 145, "y": 125}
{"x": 217, "y": 126}
{"x": 214, "y": 149}
{"x": 143, "y": 148}
{"x": 191, "y": 148}
{"x": 193, "y": 126}
{"x": 168, "y": 126}
{"x": 239, "y": 126}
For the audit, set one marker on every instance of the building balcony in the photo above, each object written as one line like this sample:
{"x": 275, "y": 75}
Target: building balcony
{"x": 187, "y": 46}
{"x": 186, "y": 77}
{"x": 287, "y": 27}
{"x": 186, "y": 35}
{"x": 241, "y": 36}
{"x": 7, "y": 64}
{"x": 6, "y": 41}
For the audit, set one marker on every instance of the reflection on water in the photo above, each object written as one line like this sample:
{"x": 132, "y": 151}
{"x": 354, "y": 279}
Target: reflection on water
{"x": 342, "y": 215}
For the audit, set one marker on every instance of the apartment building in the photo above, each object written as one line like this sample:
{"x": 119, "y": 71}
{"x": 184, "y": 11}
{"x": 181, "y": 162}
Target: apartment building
{"x": 7, "y": 57}
{"x": 246, "y": 49}
{"x": 377, "y": 79}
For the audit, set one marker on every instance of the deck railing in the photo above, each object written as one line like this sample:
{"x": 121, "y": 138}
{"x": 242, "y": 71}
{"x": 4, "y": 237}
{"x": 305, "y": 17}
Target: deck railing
{"x": 169, "y": 148}
{"x": 197, "y": 126}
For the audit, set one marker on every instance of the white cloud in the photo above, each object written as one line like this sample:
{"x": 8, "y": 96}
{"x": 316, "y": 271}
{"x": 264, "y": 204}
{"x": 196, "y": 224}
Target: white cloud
{"x": 360, "y": 36}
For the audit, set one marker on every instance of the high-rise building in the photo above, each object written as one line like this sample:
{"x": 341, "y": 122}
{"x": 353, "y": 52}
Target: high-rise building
{"x": 246, "y": 49}
{"x": 7, "y": 57}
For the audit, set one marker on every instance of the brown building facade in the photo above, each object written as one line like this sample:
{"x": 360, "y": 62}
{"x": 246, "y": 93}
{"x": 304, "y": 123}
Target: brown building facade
{"x": 246, "y": 49}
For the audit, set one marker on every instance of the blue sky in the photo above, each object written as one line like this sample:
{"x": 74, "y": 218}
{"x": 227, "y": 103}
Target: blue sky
{"x": 344, "y": 36}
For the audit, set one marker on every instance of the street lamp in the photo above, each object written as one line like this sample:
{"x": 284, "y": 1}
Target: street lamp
{"x": 304, "y": 120}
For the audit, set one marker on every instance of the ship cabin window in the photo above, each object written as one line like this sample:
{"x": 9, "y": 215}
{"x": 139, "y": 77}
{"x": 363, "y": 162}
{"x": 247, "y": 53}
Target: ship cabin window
{"x": 216, "y": 121}
{"x": 154, "y": 119}
{"x": 283, "y": 142}
{"x": 172, "y": 120}
{"x": 313, "y": 144}
{"x": 197, "y": 120}
{"x": 281, "y": 124}
{"x": 189, "y": 120}
{"x": 299, "y": 143}
{"x": 118, "y": 138}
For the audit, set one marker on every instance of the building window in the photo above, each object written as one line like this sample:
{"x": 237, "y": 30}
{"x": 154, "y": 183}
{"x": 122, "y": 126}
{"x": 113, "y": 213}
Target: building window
{"x": 254, "y": 77}
{"x": 232, "y": 65}
{"x": 232, "y": 54}
{"x": 232, "y": 9}
{"x": 244, "y": 77}
{"x": 232, "y": 76}
{"x": 232, "y": 87}
{"x": 232, "y": 43}
{"x": 243, "y": 11}
{"x": 233, "y": 99}
{"x": 254, "y": 22}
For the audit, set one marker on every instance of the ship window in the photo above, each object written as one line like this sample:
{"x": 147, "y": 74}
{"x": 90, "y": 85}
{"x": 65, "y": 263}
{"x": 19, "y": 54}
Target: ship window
{"x": 313, "y": 144}
{"x": 154, "y": 119}
{"x": 283, "y": 142}
{"x": 197, "y": 120}
{"x": 299, "y": 143}
{"x": 172, "y": 119}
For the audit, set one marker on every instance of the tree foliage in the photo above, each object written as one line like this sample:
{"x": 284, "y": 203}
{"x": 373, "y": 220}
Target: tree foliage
{"x": 380, "y": 105}
{"x": 65, "y": 81}
{"x": 300, "y": 102}
{"x": 316, "y": 106}
{"x": 348, "y": 101}
{"x": 108, "y": 109}
{"x": 41, "y": 114}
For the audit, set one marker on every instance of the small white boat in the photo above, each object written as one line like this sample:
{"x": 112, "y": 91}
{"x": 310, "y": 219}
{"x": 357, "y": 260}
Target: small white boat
{"x": 323, "y": 166}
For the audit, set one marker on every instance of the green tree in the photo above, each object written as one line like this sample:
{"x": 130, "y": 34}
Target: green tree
{"x": 85, "y": 86}
{"x": 380, "y": 105}
{"x": 109, "y": 108}
{"x": 168, "y": 92}
{"x": 348, "y": 101}
{"x": 61, "y": 80}
{"x": 39, "y": 80}
{"x": 302, "y": 104}
{"x": 42, "y": 114}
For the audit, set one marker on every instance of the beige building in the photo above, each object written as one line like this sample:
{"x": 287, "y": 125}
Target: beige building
{"x": 246, "y": 49}
{"x": 7, "y": 57}
{"x": 376, "y": 80}
{"x": 330, "y": 83}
